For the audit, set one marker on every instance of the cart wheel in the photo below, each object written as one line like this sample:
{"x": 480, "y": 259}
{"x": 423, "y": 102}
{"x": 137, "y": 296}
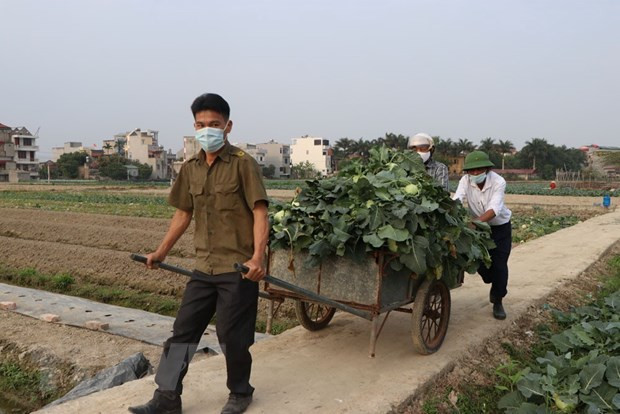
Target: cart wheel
{"x": 313, "y": 316}
{"x": 431, "y": 314}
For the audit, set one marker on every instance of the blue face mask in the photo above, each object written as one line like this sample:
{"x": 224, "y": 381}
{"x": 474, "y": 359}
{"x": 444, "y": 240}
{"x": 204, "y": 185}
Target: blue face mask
{"x": 211, "y": 139}
{"x": 478, "y": 179}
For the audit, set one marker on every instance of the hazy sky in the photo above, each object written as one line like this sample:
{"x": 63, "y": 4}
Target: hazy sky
{"x": 86, "y": 70}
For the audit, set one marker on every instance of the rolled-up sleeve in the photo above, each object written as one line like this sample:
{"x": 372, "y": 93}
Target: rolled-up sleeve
{"x": 179, "y": 196}
{"x": 496, "y": 203}
{"x": 252, "y": 181}
{"x": 460, "y": 193}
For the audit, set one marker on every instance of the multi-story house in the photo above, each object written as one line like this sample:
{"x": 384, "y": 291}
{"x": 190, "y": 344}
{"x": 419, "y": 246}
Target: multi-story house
{"x": 278, "y": 155}
{"x": 25, "y": 151}
{"x": 315, "y": 150}
{"x": 18, "y": 154}
{"x": 143, "y": 146}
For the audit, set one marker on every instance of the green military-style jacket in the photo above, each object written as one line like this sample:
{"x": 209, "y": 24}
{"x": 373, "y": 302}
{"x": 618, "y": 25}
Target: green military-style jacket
{"x": 222, "y": 197}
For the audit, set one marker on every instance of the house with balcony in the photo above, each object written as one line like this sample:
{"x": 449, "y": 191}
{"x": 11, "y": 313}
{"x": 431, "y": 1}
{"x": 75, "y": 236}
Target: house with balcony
{"x": 143, "y": 146}
{"x": 278, "y": 155}
{"x": 18, "y": 154}
{"x": 315, "y": 150}
{"x": 26, "y": 151}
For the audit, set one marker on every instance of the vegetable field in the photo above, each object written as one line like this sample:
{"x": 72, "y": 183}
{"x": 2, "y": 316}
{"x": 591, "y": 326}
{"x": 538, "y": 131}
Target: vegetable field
{"x": 531, "y": 224}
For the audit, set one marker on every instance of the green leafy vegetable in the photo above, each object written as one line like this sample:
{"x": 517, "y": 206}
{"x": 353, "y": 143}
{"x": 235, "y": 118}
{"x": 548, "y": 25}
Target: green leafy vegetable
{"x": 386, "y": 204}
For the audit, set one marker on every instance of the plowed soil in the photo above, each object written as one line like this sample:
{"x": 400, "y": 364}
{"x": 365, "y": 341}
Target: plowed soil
{"x": 130, "y": 234}
{"x": 94, "y": 247}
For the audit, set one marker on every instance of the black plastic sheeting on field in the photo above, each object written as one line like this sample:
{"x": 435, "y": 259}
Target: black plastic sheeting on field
{"x": 132, "y": 368}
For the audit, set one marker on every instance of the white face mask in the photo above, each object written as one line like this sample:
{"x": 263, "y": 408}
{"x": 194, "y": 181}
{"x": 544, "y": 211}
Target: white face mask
{"x": 478, "y": 179}
{"x": 211, "y": 139}
{"x": 425, "y": 155}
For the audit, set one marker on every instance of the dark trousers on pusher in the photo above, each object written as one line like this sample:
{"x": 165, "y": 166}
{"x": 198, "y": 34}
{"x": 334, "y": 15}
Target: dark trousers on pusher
{"x": 234, "y": 301}
{"x": 497, "y": 274}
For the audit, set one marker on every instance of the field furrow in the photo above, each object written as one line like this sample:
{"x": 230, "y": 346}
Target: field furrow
{"x": 104, "y": 232}
{"x": 102, "y": 266}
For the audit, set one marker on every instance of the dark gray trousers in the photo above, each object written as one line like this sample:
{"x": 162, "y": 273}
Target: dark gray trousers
{"x": 234, "y": 301}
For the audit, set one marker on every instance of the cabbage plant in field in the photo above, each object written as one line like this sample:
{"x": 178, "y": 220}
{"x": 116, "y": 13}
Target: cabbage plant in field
{"x": 387, "y": 203}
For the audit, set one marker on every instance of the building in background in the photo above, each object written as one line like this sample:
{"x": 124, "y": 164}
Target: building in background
{"x": 116, "y": 145}
{"x": 191, "y": 147}
{"x": 601, "y": 161}
{"x": 8, "y": 168}
{"x": 26, "y": 151}
{"x": 455, "y": 165}
{"x": 255, "y": 151}
{"x": 68, "y": 148}
{"x": 143, "y": 146}
{"x": 314, "y": 150}
{"x": 18, "y": 154}
{"x": 278, "y": 155}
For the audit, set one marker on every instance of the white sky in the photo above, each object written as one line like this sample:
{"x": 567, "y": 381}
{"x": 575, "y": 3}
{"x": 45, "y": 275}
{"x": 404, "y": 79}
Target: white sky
{"x": 86, "y": 70}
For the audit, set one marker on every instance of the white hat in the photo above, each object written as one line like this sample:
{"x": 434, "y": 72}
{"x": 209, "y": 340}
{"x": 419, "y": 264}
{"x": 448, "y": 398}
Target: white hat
{"x": 420, "y": 139}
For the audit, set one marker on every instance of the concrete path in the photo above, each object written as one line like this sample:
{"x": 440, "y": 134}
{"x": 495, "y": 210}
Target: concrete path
{"x": 131, "y": 323}
{"x": 330, "y": 372}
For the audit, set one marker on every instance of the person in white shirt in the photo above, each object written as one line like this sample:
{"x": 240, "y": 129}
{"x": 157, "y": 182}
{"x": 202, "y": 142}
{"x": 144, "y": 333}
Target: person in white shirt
{"x": 484, "y": 190}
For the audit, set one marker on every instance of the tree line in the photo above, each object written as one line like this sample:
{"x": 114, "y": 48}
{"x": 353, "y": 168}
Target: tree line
{"x": 537, "y": 153}
{"x": 109, "y": 166}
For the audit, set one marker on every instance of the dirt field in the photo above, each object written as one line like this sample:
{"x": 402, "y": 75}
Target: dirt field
{"x": 126, "y": 234}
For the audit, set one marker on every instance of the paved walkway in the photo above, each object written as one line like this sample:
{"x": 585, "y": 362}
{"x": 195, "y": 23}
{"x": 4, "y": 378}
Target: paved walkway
{"x": 330, "y": 372}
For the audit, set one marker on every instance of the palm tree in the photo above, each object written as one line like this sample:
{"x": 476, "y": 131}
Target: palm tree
{"x": 505, "y": 147}
{"x": 536, "y": 148}
{"x": 107, "y": 147}
{"x": 465, "y": 146}
{"x": 393, "y": 141}
{"x": 445, "y": 147}
{"x": 120, "y": 146}
{"x": 362, "y": 147}
{"x": 343, "y": 148}
{"x": 487, "y": 145}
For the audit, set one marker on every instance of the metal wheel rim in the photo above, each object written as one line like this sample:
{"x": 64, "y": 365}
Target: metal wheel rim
{"x": 316, "y": 312}
{"x": 432, "y": 324}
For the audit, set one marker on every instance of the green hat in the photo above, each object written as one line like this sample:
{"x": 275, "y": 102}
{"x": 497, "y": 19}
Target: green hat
{"x": 477, "y": 159}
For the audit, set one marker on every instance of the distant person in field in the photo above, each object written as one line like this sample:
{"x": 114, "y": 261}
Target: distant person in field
{"x": 484, "y": 191}
{"x": 425, "y": 147}
{"x": 222, "y": 188}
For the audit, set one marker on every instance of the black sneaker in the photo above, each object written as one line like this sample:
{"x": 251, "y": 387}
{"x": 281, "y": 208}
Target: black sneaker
{"x": 237, "y": 403}
{"x": 492, "y": 298}
{"x": 161, "y": 403}
{"x": 498, "y": 311}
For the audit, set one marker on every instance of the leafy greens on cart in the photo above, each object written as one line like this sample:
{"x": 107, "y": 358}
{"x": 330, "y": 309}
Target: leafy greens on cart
{"x": 386, "y": 203}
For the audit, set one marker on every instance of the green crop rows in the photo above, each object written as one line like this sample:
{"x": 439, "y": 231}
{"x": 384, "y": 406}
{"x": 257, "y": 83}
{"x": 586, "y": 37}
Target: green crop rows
{"x": 527, "y": 227}
{"x": 89, "y": 202}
